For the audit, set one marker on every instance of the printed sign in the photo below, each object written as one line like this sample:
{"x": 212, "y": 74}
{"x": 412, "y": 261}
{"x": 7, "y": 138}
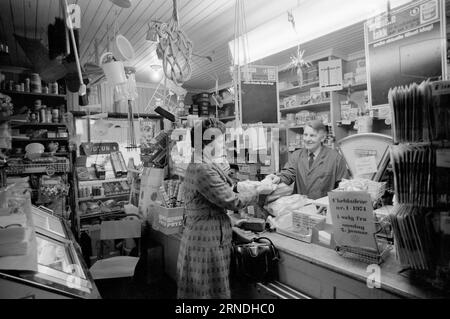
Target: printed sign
{"x": 353, "y": 220}
{"x": 365, "y": 165}
{"x": 330, "y": 75}
{"x": 403, "y": 48}
{"x": 99, "y": 148}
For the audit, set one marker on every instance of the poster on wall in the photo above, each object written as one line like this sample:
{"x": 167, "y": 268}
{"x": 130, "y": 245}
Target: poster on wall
{"x": 406, "y": 46}
{"x": 330, "y": 75}
{"x": 259, "y": 94}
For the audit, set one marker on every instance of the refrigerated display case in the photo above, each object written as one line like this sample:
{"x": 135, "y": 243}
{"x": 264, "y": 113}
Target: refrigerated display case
{"x": 61, "y": 271}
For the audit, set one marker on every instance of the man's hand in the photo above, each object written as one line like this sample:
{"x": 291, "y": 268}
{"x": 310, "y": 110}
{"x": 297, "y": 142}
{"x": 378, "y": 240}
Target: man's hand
{"x": 274, "y": 179}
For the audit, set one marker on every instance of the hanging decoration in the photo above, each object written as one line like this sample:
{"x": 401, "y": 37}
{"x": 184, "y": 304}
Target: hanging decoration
{"x": 298, "y": 62}
{"x": 174, "y": 48}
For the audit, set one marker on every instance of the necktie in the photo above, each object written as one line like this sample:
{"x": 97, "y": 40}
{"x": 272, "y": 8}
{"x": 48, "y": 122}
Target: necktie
{"x": 311, "y": 159}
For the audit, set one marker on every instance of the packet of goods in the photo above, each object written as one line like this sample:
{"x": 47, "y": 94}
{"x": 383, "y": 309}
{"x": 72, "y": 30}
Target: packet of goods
{"x": 281, "y": 190}
{"x": 264, "y": 187}
{"x": 287, "y": 204}
{"x": 375, "y": 189}
{"x": 12, "y": 228}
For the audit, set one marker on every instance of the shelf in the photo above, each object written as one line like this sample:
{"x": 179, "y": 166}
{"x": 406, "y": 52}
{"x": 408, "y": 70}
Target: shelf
{"x": 298, "y": 89}
{"x": 19, "y": 123}
{"x": 119, "y": 115}
{"x": 305, "y": 106}
{"x": 226, "y": 118}
{"x": 345, "y": 123}
{"x": 55, "y": 154}
{"x": 98, "y": 181}
{"x": 296, "y": 127}
{"x": 101, "y": 214}
{"x": 8, "y": 92}
{"x": 37, "y": 140}
{"x": 83, "y": 199}
{"x": 354, "y": 87}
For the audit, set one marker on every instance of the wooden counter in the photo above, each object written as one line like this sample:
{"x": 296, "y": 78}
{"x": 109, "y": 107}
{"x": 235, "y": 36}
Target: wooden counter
{"x": 320, "y": 272}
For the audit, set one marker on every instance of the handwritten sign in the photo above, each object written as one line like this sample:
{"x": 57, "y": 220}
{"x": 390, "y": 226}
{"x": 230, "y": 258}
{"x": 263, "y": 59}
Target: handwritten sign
{"x": 330, "y": 75}
{"x": 365, "y": 165}
{"x": 353, "y": 220}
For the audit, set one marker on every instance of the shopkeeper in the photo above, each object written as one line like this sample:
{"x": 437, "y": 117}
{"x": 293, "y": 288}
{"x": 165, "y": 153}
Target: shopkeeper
{"x": 315, "y": 169}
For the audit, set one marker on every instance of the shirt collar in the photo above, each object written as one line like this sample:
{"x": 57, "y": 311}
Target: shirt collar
{"x": 316, "y": 152}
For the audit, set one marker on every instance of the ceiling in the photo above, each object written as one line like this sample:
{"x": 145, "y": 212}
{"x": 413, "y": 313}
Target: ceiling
{"x": 209, "y": 24}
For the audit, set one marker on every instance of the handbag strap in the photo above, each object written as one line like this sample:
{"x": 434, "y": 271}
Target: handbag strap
{"x": 275, "y": 252}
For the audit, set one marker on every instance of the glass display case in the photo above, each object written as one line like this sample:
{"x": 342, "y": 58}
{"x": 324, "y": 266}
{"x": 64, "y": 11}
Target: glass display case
{"x": 61, "y": 272}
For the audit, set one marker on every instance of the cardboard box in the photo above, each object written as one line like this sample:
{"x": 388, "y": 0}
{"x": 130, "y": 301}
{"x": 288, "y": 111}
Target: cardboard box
{"x": 170, "y": 220}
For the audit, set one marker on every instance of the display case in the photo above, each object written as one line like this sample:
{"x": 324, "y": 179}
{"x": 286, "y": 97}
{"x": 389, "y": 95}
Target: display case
{"x": 61, "y": 271}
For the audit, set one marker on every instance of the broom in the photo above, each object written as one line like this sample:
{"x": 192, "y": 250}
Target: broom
{"x": 83, "y": 101}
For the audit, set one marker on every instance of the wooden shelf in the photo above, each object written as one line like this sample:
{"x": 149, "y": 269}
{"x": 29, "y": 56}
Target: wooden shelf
{"x": 83, "y": 199}
{"x": 8, "y": 92}
{"x": 55, "y": 154}
{"x": 354, "y": 87}
{"x": 100, "y": 181}
{"x": 226, "y": 118}
{"x": 101, "y": 214}
{"x": 19, "y": 123}
{"x": 119, "y": 115}
{"x": 298, "y": 89}
{"x": 305, "y": 106}
{"x": 36, "y": 140}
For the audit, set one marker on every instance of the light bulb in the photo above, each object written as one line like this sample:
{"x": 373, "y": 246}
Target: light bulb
{"x": 156, "y": 73}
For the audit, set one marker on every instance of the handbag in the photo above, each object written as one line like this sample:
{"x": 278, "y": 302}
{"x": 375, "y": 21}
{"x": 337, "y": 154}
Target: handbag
{"x": 256, "y": 261}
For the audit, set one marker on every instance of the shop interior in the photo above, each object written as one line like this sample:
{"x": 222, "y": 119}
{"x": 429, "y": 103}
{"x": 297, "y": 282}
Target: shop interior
{"x": 98, "y": 100}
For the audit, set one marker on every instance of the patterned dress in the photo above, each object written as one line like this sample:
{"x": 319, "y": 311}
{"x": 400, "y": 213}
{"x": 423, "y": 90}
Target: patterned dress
{"x": 204, "y": 258}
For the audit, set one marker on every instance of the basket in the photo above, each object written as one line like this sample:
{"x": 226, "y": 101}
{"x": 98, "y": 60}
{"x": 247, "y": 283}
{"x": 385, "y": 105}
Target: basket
{"x": 60, "y": 166}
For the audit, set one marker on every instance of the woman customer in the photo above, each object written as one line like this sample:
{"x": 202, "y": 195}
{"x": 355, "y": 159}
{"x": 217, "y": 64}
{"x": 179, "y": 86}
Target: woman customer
{"x": 204, "y": 258}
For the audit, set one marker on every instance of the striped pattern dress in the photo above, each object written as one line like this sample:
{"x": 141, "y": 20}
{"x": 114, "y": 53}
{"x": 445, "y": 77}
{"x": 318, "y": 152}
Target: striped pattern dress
{"x": 203, "y": 264}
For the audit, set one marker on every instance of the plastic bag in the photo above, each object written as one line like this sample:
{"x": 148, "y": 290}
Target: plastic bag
{"x": 287, "y": 204}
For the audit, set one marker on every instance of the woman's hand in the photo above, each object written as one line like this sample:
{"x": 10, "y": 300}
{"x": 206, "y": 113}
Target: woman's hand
{"x": 274, "y": 179}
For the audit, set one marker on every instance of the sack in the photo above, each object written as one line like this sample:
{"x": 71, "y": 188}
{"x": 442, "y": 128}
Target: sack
{"x": 256, "y": 261}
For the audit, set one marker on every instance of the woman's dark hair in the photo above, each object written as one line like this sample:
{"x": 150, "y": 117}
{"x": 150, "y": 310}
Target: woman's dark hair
{"x": 209, "y": 123}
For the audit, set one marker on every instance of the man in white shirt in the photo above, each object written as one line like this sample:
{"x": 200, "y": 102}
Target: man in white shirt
{"x": 315, "y": 169}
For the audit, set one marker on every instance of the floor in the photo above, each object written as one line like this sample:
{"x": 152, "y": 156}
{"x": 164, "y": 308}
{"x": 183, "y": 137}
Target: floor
{"x": 164, "y": 288}
{"x": 128, "y": 288}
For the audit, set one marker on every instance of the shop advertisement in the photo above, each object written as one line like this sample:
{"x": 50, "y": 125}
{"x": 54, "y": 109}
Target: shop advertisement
{"x": 353, "y": 221}
{"x": 406, "y": 46}
{"x": 330, "y": 75}
{"x": 259, "y": 95}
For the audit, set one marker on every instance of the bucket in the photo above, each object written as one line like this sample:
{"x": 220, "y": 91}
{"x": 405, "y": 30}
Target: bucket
{"x": 114, "y": 71}
{"x": 122, "y": 48}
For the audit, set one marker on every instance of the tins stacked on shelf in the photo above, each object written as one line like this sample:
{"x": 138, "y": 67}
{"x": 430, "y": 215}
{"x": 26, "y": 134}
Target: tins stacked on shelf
{"x": 202, "y": 102}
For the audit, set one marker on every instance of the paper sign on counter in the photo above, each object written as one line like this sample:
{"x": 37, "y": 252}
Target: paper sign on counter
{"x": 353, "y": 220}
{"x": 365, "y": 165}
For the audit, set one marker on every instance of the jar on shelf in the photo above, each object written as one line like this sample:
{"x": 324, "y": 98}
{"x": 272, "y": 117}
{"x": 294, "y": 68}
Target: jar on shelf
{"x": 48, "y": 116}
{"x": 35, "y": 83}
